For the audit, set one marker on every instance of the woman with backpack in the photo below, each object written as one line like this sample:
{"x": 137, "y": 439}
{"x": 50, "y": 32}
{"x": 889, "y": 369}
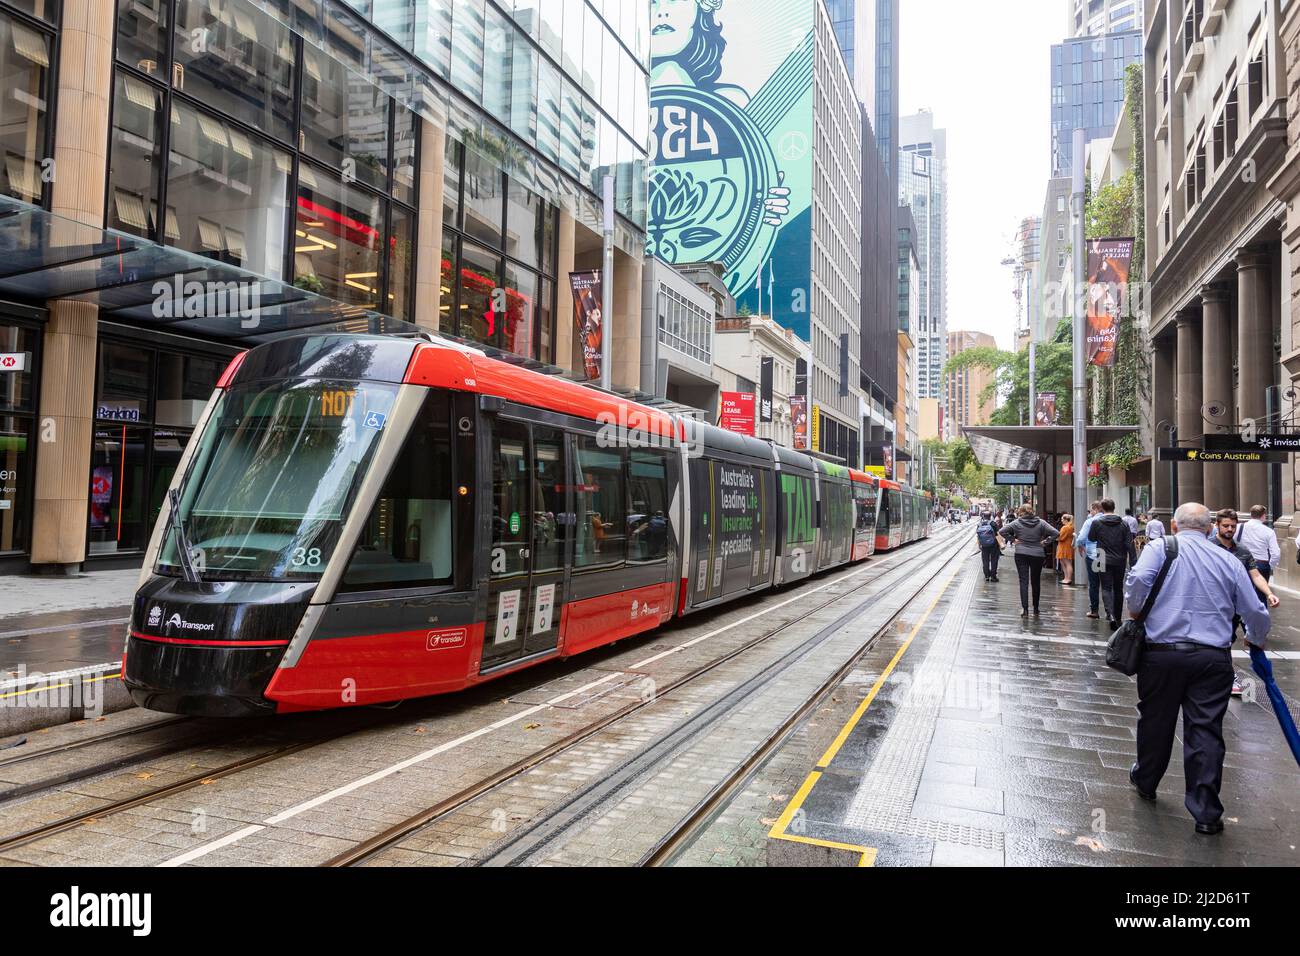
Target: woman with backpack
{"x": 1032, "y": 536}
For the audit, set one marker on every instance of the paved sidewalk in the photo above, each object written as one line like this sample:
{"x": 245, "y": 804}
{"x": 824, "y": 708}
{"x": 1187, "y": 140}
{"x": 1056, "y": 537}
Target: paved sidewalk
{"x": 999, "y": 741}
{"x": 50, "y": 624}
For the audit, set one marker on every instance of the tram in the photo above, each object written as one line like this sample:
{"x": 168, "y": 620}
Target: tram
{"x": 364, "y": 519}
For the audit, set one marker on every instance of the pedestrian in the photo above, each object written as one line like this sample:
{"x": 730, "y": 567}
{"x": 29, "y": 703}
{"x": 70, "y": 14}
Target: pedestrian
{"x": 1187, "y": 661}
{"x": 1261, "y": 541}
{"x": 1131, "y": 521}
{"x": 1032, "y": 536}
{"x": 991, "y": 544}
{"x": 1083, "y": 542}
{"x": 1114, "y": 555}
{"x": 1225, "y": 526}
{"x": 1065, "y": 549}
{"x": 1155, "y": 528}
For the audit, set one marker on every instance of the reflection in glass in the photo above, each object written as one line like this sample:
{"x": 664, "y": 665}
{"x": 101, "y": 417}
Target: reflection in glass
{"x": 135, "y": 159}
{"x": 240, "y": 63}
{"x": 523, "y": 224}
{"x": 142, "y": 35}
{"x": 117, "y": 489}
{"x": 479, "y": 276}
{"x": 124, "y": 381}
{"x": 406, "y": 131}
{"x": 516, "y": 327}
{"x": 467, "y": 49}
{"x": 433, "y": 36}
{"x": 399, "y": 265}
{"x": 185, "y": 383}
{"x": 548, "y": 111}
{"x": 483, "y": 189}
{"x": 24, "y": 76}
{"x": 498, "y": 51}
{"x": 344, "y": 120}
{"x": 227, "y": 192}
{"x": 337, "y": 239}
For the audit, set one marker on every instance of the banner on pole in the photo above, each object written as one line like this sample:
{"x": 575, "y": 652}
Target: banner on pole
{"x": 765, "y": 390}
{"x": 587, "y": 292}
{"x": 799, "y": 417}
{"x": 1109, "y": 263}
{"x": 1045, "y": 413}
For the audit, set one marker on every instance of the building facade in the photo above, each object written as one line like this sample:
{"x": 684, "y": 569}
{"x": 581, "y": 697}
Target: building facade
{"x": 744, "y": 344}
{"x": 923, "y": 186}
{"x": 679, "y": 315}
{"x": 1286, "y": 186}
{"x": 1088, "y": 89}
{"x": 1216, "y": 121}
{"x": 412, "y": 163}
{"x": 966, "y": 404}
{"x": 1099, "y": 17}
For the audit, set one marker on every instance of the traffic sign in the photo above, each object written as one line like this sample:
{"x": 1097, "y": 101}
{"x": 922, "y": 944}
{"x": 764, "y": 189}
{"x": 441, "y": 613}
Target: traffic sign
{"x": 1273, "y": 441}
{"x": 1215, "y": 456}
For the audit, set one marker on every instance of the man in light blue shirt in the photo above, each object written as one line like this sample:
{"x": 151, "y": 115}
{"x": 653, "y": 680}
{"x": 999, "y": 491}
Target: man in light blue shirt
{"x": 1261, "y": 541}
{"x": 1187, "y": 663}
{"x": 1083, "y": 542}
{"x": 1155, "y": 529}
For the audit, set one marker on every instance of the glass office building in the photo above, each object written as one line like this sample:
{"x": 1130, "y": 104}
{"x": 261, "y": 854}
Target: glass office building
{"x": 439, "y": 162}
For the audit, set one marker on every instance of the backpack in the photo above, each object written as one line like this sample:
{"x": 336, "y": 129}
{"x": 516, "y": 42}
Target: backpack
{"x": 987, "y": 534}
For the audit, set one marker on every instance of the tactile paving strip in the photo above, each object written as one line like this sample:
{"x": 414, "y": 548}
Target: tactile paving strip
{"x": 887, "y": 794}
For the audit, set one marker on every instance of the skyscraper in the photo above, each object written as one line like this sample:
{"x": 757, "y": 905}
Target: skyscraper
{"x": 1098, "y": 17}
{"x": 923, "y": 185}
{"x": 1088, "y": 79}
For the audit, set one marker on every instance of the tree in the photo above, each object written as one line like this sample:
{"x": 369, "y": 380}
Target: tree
{"x": 1055, "y": 373}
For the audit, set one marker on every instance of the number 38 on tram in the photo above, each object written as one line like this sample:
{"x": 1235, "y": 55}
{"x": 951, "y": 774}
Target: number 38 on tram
{"x": 362, "y": 520}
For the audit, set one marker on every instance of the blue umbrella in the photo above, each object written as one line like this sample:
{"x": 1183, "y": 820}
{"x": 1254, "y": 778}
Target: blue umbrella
{"x": 1264, "y": 668}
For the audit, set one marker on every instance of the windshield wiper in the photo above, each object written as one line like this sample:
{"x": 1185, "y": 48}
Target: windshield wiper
{"x": 182, "y": 539}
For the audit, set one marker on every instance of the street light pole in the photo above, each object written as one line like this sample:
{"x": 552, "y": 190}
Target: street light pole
{"x": 1080, "y": 331}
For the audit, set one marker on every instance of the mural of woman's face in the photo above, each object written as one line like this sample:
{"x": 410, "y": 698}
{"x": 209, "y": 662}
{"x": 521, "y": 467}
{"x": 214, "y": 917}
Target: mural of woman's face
{"x": 671, "y": 24}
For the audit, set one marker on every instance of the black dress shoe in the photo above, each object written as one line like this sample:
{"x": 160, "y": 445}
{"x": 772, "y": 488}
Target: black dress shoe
{"x": 1024, "y": 613}
{"x": 1210, "y": 829}
{"x": 1037, "y": 612}
{"x": 1149, "y": 797}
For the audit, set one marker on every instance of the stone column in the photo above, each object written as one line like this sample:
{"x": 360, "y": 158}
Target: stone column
{"x": 428, "y": 251}
{"x": 1191, "y": 396}
{"x": 1254, "y": 361}
{"x": 1217, "y": 362}
{"x": 67, "y": 398}
{"x": 1163, "y": 409}
{"x": 567, "y": 226}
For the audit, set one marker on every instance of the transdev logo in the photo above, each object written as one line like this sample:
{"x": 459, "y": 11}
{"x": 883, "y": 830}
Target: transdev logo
{"x": 444, "y": 640}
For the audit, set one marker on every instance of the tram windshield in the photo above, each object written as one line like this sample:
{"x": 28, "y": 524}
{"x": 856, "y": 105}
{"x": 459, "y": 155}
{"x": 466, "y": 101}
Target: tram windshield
{"x": 274, "y": 476}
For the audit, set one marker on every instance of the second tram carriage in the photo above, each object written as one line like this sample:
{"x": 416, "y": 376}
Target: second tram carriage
{"x": 364, "y": 519}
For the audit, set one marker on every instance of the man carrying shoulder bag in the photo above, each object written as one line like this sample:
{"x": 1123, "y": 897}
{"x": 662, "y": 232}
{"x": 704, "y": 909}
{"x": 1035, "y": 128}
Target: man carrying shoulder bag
{"x": 1186, "y": 629}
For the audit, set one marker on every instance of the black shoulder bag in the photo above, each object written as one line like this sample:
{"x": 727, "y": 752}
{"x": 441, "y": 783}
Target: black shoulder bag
{"x": 1124, "y": 650}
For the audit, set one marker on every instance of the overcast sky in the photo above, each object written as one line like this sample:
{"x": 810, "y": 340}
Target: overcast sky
{"x": 983, "y": 69}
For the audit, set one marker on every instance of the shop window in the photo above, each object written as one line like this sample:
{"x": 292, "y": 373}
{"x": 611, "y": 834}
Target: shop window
{"x": 125, "y": 379}
{"x": 524, "y": 232}
{"x": 15, "y": 482}
{"x": 451, "y": 184}
{"x": 185, "y": 383}
{"x": 237, "y": 60}
{"x": 407, "y": 540}
{"x": 478, "y": 279}
{"x": 117, "y": 489}
{"x": 400, "y": 255}
{"x": 337, "y": 239}
{"x": 483, "y": 193}
{"x": 24, "y": 78}
{"x": 227, "y": 193}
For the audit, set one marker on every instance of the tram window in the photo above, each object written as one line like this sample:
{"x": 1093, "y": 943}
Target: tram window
{"x": 550, "y": 527}
{"x": 407, "y": 540}
{"x": 510, "y": 486}
{"x": 647, "y": 523}
{"x": 600, "y": 505}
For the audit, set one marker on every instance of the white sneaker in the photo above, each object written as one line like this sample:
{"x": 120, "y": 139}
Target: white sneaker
{"x": 1236, "y": 686}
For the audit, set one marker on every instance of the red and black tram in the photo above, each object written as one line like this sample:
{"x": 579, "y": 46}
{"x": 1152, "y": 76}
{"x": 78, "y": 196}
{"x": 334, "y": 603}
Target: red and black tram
{"x": 365, "y": 519}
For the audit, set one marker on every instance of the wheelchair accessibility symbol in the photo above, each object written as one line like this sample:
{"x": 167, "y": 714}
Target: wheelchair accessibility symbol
{"x": 375, "y": 420}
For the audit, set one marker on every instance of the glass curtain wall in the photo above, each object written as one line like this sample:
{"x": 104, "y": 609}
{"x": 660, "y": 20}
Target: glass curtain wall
{"x": 26, "y": 47}
{"x": 280, "y": 158}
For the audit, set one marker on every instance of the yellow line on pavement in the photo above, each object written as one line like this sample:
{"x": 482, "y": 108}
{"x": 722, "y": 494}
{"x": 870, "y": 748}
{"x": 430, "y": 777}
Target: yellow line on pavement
{"x": 44, "y": 688}
{"x": 778, "y": 831}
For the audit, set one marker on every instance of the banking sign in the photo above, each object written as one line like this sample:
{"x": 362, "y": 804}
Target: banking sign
{"x": 731, "y": 113}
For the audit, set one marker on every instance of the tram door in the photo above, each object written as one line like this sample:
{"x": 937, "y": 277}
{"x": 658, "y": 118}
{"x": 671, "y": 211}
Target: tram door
{"x": 530, "y": 534}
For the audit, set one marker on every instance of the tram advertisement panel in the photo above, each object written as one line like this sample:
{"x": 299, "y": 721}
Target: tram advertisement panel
{"x": 733, "y": 548}
{"x": 797, "y": 525}
{"x": 587, "y": 291}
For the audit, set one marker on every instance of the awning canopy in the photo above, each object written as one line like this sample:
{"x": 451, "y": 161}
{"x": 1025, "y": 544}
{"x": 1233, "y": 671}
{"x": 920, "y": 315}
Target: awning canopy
{"x": 1023, "y": 448}
{"x": 133, "y": 280}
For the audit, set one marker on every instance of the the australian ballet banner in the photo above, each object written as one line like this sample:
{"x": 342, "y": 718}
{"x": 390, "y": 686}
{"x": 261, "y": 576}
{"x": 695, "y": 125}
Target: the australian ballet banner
{"x": 1109, "y": 264}
{"x": 731, "y": 111}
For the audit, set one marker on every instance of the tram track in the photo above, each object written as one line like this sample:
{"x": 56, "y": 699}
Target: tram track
{"x": 373, "y": 848}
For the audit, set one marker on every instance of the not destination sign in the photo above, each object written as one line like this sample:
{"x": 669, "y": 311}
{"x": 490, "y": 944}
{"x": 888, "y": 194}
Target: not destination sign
{"x": 1213, "y": 456}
